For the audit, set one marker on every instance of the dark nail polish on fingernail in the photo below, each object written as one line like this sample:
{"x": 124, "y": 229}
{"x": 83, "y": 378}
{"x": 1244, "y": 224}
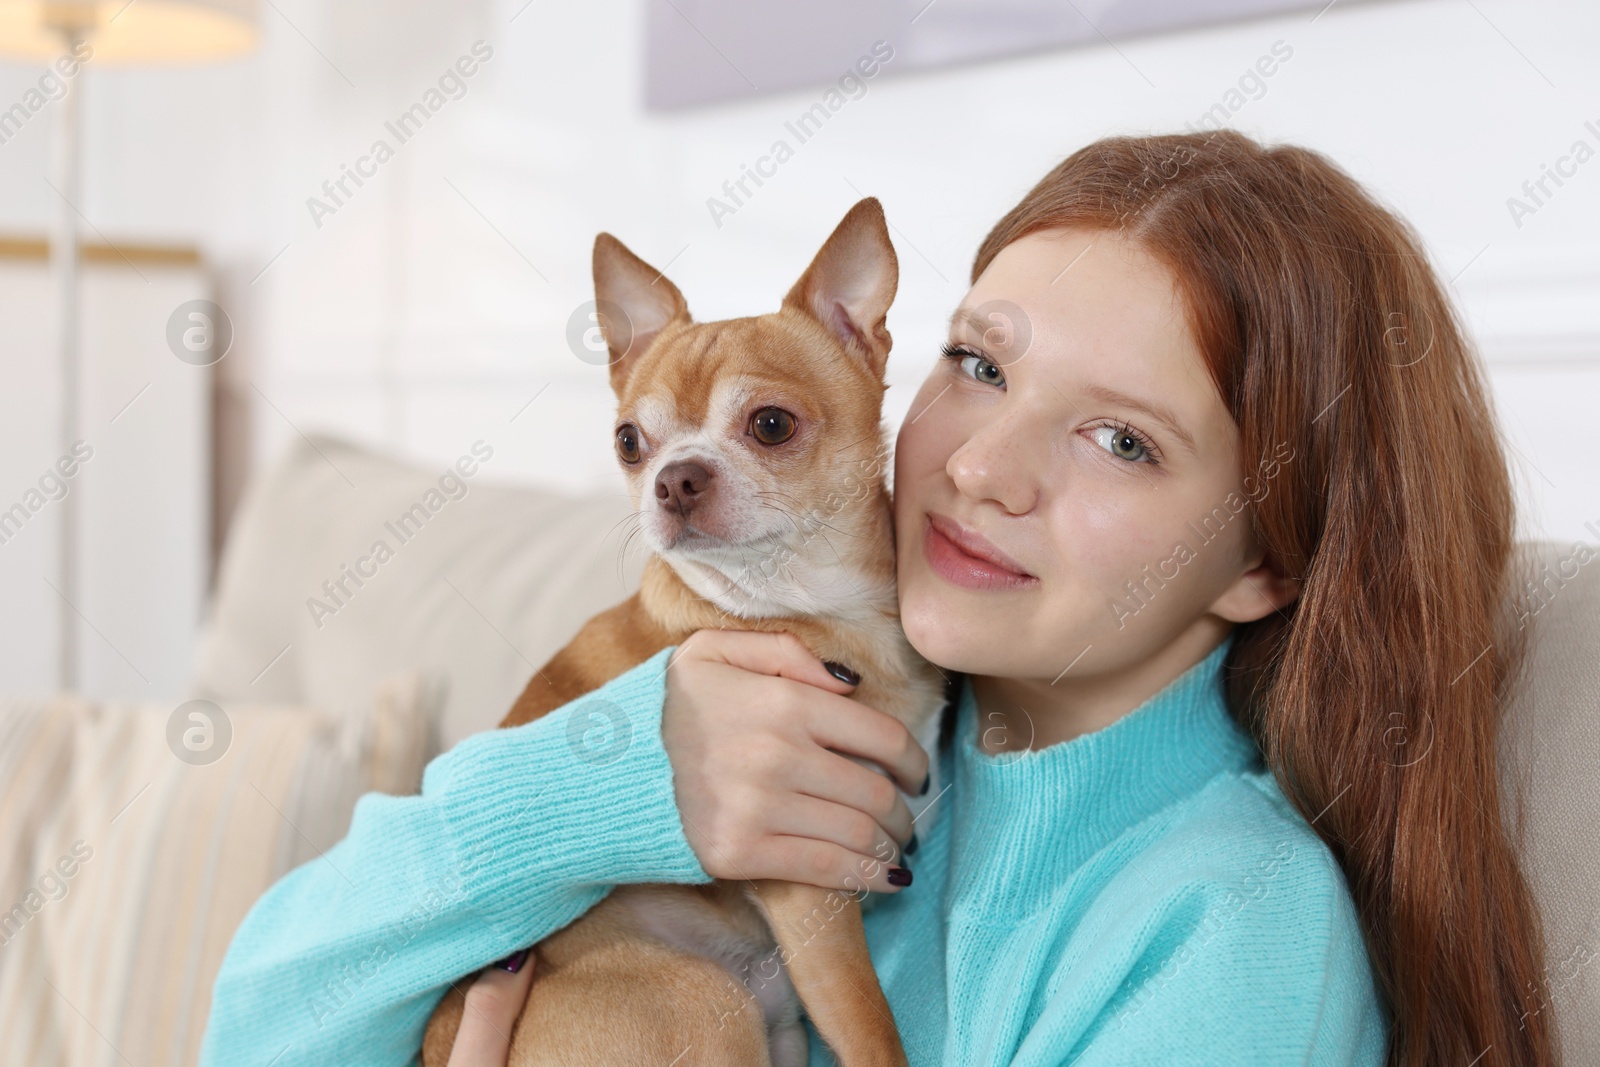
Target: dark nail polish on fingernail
{"x": 513, "y": 962}
{"x": 843, "y": 673}
{"x": 899, "y": 876}
{"x": 911, "y": 846}
{"x": 928, "y": 778}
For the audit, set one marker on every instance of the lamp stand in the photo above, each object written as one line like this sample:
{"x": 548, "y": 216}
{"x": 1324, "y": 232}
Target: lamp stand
{"x": 64, "y": 155}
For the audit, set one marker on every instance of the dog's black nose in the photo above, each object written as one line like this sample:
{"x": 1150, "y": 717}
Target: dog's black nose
{"x": 682, "y": 485}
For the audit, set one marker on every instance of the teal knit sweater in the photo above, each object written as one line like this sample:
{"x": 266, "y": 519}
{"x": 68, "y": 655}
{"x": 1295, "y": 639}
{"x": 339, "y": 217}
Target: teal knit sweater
{"x": 1142, "y": 894}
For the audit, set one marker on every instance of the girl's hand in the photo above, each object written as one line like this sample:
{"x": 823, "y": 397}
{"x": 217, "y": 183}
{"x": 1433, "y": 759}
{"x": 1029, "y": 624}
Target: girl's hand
{"x": 494, "y": 1000}
{"x": 748, "y": 724}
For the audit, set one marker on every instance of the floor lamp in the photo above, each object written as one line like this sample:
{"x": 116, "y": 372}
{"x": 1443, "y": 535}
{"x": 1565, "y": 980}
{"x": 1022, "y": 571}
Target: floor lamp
{"x": 117, "y": 33}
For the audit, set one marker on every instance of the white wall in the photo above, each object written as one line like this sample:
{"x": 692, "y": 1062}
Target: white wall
{"x": 426, "y": 312}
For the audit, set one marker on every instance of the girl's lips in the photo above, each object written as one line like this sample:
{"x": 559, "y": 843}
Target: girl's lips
{"x": 963, "y": 557}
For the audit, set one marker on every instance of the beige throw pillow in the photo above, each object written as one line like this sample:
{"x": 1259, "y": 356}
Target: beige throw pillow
{"x": 137, "y": 836}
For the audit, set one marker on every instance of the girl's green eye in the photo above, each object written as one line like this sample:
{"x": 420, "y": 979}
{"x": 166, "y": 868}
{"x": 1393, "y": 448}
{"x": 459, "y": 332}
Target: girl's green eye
{"x": 974, "y": 365}
{"x": 1126, "y": 443}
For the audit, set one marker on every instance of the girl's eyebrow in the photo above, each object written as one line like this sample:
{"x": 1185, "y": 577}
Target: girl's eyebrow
{"x": 1156, "y": 411}
{"x": 969, "y": 318}
{"x": 974, "y": 322}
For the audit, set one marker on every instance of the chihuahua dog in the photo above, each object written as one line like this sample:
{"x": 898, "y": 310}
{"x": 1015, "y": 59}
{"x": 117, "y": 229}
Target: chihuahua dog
{"x": 754, "y": 453}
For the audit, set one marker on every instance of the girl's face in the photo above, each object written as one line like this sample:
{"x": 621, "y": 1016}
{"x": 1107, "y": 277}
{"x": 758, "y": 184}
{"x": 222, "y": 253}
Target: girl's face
{"x": 1068, "y": 485}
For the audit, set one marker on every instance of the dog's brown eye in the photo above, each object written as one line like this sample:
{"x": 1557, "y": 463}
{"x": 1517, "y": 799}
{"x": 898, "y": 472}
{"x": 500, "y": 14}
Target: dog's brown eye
{"x": 772, "y": 426}
{"x": 628, "y": 442}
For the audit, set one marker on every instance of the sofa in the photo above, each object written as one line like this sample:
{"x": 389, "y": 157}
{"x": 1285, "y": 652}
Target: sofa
{"x": 370, "y": 613}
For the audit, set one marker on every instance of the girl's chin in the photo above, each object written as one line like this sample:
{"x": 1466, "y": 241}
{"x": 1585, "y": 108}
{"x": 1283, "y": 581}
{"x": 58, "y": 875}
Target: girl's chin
{"x": 950, "y": 638}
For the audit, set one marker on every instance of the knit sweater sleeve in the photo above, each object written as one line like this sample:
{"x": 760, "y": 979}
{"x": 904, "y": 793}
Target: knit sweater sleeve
{"x": 515, "y": 834}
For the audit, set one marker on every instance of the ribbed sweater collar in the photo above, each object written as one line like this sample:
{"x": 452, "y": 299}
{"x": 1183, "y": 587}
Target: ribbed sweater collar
{"x": 1026, "y": 820}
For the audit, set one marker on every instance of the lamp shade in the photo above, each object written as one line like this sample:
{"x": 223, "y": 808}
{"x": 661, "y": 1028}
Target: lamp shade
{"x": 130, "y": 32}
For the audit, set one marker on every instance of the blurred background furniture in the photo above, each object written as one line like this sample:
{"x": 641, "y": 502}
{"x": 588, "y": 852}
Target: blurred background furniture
{"x": 1549, "y": 753}
{"x": 477, "y": 597}
{"x": 144, "y": 495}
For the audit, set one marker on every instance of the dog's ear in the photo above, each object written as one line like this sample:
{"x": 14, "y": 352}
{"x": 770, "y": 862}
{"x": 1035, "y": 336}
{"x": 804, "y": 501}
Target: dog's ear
{"x": 633, "y": 302}
{"x": 851, "y": 282}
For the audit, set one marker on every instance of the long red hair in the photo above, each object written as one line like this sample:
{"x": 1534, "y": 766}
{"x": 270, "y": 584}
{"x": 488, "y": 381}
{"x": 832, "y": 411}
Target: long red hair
{"x": 1375, "y": 698}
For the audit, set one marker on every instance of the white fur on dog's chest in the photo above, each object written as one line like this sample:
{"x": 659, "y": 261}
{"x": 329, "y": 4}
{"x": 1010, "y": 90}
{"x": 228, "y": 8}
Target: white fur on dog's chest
{"x": 796, "y": 586}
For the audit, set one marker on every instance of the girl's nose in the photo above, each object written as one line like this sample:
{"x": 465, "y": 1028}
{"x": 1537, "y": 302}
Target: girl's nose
{"x": 994, "y": 463}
